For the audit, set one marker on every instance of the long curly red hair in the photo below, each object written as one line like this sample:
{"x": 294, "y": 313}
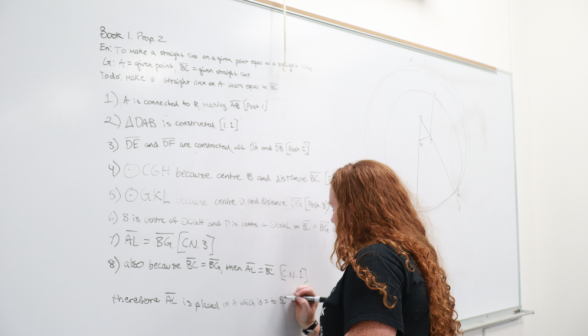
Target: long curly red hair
{"x": 375, "y": 207}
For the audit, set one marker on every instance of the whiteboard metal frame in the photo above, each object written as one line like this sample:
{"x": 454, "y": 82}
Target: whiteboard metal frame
{"x": 481, "y": 321}
{"x": 493, "y": 319}
{"x": 514, "y": 132}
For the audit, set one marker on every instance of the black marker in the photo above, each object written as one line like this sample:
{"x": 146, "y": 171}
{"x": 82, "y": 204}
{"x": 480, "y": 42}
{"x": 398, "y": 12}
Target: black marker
{"x": 308, "y": 298}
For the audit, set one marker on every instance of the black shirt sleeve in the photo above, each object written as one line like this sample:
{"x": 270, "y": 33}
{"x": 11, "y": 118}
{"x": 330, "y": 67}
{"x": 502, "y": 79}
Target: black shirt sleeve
{"x": 363, "y": 304}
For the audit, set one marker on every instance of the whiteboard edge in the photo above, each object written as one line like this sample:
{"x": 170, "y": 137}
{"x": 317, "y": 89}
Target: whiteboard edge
{"x": 514, "y": 140}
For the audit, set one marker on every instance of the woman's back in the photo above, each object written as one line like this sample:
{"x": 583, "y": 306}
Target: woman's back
{"x": 351, "y": 301}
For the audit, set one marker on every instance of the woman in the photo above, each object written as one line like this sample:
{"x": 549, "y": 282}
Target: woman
{"x": 393, "y": 283}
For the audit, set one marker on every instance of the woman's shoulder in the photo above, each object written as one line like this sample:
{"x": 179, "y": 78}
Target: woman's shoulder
{"x": 378, "y": 251}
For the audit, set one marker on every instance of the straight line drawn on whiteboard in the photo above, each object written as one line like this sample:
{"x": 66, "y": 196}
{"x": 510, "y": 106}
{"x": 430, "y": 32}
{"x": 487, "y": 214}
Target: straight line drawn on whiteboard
{"x": 429, "y": 135}
{"x": 401, "y": 102}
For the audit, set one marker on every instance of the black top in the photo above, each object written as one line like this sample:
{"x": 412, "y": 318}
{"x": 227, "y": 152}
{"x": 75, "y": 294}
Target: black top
{"x": 351, "y": 301}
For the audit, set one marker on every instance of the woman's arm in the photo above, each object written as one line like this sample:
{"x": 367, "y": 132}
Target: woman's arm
{"x": 371, "y": 328}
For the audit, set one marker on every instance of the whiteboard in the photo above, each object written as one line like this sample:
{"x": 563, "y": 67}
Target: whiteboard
{"x": 163, "y": 171}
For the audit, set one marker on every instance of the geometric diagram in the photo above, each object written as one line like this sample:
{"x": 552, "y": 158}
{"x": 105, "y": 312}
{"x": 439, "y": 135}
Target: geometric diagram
{"x": 415, "y": 124}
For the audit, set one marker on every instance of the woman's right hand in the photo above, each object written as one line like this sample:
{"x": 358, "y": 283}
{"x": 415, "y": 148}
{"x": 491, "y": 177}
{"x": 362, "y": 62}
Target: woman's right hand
{"x": 305, "y": 310}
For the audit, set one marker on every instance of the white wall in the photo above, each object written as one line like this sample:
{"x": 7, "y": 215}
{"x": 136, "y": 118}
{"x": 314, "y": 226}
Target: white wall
{"x": 550, "y": 70}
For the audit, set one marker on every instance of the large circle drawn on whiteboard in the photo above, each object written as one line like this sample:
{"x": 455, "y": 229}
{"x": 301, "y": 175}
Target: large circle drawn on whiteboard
{"x": 415, "y": 125}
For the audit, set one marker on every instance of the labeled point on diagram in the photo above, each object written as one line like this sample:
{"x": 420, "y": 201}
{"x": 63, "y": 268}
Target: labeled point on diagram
{"x": 414, "y": 108}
